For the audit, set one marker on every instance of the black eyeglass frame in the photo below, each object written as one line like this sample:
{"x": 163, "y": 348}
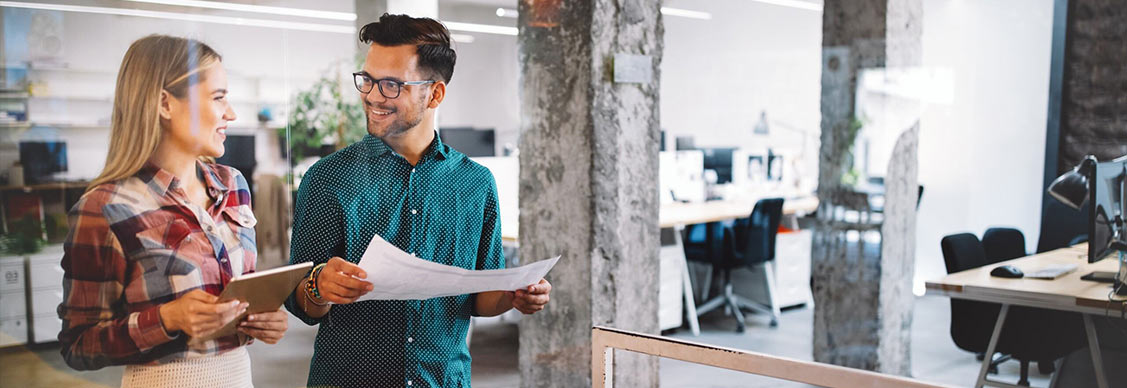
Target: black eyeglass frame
{"x": 359, "y": 77}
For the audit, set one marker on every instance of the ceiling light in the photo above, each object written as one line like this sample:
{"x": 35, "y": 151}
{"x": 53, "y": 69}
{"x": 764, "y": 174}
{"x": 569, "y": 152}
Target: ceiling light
{"x": 686, "y": 13}
{"x": 483, "y": 28}
{"x": 794, "y": 4}
{"x": 506, "y": 13}
{"x": 186, "y": 17}
{"x": 348, "y": 16}
{"x": 462, "y": 38}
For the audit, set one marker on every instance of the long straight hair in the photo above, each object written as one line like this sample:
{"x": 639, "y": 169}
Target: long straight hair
{"x": 152, "y": 64}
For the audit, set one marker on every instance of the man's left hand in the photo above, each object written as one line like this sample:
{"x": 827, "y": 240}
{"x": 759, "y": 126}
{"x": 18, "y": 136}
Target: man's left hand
{"x": 532, "y": 298}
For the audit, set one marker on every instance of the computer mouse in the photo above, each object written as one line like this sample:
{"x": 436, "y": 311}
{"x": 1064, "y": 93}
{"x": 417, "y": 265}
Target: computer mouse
{"x": 1006, "y": 271}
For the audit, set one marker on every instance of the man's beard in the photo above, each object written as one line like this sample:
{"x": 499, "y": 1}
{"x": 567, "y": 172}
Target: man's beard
{"x": 400, "y": 125}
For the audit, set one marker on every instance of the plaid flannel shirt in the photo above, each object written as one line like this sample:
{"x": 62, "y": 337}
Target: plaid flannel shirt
{"x": 137, "y": 243}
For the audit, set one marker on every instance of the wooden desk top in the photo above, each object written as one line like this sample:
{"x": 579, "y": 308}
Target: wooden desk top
{"x": 678, "y": 214}
{"x": 1067, "y": 292}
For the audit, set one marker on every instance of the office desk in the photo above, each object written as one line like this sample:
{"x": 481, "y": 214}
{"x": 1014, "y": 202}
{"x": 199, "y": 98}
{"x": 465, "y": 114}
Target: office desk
{"x": 676, "y": 216}
{"x": 1066, "y": 293}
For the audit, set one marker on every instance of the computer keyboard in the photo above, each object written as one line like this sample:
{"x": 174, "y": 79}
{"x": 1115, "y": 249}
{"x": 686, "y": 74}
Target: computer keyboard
{"x": 1051, "y": 271}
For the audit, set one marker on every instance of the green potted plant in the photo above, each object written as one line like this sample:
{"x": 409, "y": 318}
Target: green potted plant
{"x": 322, "y": 115}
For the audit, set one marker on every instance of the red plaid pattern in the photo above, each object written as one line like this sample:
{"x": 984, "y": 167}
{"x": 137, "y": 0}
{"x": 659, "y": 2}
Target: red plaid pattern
{"x": 135, "y": 244}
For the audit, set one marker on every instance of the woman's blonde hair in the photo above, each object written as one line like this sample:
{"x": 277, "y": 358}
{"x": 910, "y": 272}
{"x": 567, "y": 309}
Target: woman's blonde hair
{"x": 152, "y": 64}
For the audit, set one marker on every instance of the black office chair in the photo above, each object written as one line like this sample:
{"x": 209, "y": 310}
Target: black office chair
{"x": 972, "y": 322}
{"x": 1002, "y": 244}
{"x": 1029, "y": 334}
{"x": 1007, "y": 243}
{"x": 749, "y": 242}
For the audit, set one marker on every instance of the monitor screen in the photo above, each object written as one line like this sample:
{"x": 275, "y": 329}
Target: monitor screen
{"x": 469, "y": 141}
{"x": 40, "y": 159}
{"x": 1106, "y": 197}
{"x": 720, "y": 160}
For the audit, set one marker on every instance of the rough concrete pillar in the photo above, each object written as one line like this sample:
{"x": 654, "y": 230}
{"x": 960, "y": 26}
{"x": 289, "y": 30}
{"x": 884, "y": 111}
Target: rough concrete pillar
{"x": 588, "y": 181}
{"x": 862, "y": 299}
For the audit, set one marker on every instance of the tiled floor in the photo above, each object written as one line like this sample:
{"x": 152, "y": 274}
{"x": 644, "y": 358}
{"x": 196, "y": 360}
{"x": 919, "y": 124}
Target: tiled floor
{"x": 494, "y": 347}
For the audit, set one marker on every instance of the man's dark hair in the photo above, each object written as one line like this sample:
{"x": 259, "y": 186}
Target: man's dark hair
{"x": 431, "y": 40}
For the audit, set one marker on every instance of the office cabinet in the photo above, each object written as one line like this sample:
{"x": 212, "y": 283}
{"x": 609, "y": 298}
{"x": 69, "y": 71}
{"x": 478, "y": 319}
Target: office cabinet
{"x": 13, "y": 301}
{"x": 670, "y": 290}
{"x": 45, "y": 286}
{"x": 792, "y": 272}
{"x": 30, "y": 295}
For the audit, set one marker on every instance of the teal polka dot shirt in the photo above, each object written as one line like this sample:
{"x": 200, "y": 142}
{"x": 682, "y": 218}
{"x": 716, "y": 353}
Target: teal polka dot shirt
{"x": 443, "y": 209}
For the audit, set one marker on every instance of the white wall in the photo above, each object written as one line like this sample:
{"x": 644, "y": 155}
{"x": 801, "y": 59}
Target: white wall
{"x": 266, "y": 67}
{"x": 981, "y": 157}
{"x": 484, "y": 90}
{"x": 719, "y": 74}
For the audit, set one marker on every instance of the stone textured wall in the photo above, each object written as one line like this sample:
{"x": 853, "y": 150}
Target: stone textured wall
{"x": 588, "y": 186}
{"x": 862, "y": 297}
{"x": 1094, "y": 103}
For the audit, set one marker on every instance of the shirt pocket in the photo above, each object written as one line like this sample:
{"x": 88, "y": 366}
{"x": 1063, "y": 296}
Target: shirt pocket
{"x": 164, "y": 269}
{"x": 165, "y": 235}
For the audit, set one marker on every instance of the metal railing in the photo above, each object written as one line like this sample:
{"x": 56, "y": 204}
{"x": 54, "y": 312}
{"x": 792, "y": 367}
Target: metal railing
{"x": 604, "y": 340}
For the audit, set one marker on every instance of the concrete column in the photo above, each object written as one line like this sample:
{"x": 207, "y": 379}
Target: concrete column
{"x": 588, "y": 181}
{"x": 863, "y": 299}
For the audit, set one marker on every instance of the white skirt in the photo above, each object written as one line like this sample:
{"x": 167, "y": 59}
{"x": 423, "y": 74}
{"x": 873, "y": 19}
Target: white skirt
{"x": 230, "y": 369}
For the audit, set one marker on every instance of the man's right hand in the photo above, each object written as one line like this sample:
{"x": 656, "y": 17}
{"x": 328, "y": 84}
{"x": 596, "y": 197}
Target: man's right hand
{"x": 339, "y": 282}
{"x": 198, "y": 312}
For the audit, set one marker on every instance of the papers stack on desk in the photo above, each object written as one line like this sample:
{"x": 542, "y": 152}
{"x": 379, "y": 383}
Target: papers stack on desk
{"x": 396, "y": 275}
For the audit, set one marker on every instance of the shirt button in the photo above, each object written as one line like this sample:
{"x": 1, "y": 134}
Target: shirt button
{"x": 209, "y": 228}
{"x": 412, "y": 171}
{"x": 413, "y": 211}
{"x": 410, "y": 340}
{"x": 189, "y": 238}
{"x": 408, "y": 382}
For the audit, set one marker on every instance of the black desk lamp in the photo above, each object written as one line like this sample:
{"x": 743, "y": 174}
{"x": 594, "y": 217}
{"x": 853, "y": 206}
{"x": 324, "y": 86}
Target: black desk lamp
{"x": 1071, "y": 188}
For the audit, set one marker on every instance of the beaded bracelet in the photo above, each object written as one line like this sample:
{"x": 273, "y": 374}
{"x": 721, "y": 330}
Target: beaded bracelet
{"x": 311, "y": 284}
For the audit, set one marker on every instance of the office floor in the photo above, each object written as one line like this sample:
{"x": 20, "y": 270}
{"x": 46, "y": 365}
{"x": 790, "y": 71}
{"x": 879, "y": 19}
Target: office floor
{"x": 494, "y": 348}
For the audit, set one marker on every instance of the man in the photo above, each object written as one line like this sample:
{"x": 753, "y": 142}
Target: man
{"x": 403, "y": 184}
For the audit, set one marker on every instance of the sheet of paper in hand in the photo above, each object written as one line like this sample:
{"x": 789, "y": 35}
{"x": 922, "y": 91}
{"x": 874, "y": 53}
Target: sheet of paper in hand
{"x": 396, "y": 275}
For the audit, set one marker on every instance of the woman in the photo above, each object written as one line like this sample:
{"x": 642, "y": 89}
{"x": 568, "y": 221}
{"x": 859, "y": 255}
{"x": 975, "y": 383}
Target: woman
{"x": 160, "y": 232}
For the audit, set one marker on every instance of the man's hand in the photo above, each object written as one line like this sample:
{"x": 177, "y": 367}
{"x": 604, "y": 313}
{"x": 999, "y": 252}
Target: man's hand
{"x": 339, "y": 282}
{"x": 532, "y": 298}
{"x": 267, "y": 327}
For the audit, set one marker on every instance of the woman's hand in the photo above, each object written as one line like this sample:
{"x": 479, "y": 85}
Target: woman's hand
{"x": 197, "y": 313}
{"x": 267, "y": 327}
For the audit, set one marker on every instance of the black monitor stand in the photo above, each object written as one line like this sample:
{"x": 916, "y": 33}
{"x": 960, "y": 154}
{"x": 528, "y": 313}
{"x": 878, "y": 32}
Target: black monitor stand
{"x": 1108, "y": 276}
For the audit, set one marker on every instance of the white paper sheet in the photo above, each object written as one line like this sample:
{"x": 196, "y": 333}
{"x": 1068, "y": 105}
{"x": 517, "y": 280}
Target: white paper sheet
{"x": 396, "y": 275}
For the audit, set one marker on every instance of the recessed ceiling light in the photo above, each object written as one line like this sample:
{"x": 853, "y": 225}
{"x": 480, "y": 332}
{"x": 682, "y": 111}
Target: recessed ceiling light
{"x": 311, "y": 13}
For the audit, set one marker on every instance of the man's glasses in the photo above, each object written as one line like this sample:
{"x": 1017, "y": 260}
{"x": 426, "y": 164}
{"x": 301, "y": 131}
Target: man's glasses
{"x": 388, "y": 87}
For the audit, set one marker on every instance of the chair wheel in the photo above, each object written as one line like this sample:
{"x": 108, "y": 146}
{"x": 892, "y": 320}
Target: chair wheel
{"x": 774, "y": 323}
{"x": 993, "y": 370}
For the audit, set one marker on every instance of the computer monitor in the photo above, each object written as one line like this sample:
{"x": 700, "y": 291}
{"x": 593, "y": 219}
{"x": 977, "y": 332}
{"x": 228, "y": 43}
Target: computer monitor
{"x": 685, "y": 143}
{"x": 41, "y": 159}
{"x": 470, "y": 141}
{"x": 719, "y": 160}
{"x": 1108, "y": 203}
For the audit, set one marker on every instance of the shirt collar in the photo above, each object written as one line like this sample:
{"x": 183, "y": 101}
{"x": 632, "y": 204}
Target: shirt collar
{"x": 378, "y": 148}
{"x": 161, "y": 181}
